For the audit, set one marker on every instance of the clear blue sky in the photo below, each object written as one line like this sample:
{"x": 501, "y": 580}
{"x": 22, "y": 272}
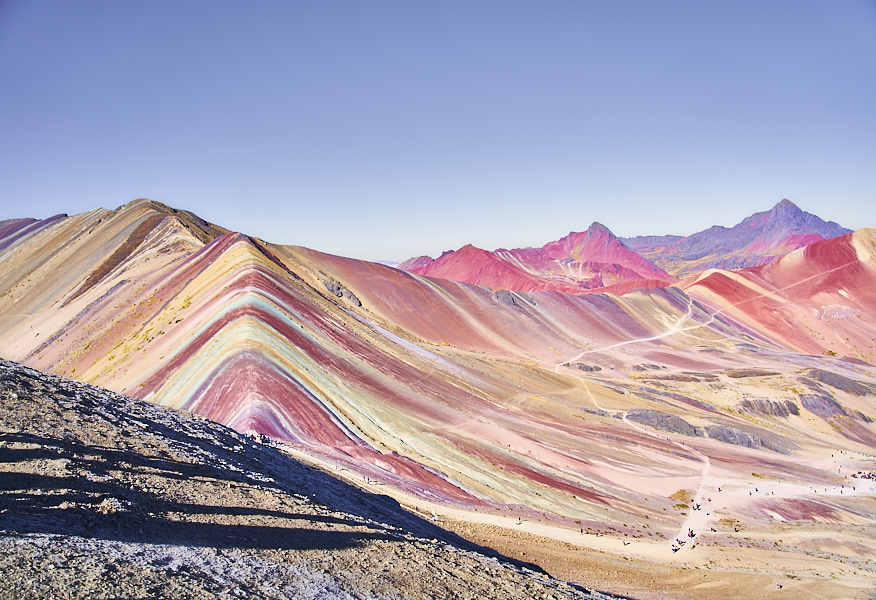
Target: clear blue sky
{"x": 382, "y": 130}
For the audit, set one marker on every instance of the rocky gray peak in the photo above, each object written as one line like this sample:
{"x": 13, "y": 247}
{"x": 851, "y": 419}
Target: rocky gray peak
{"x": 757, "y": 239}
{"x": 597, "y": 227}
{"x": 787, "y": 215}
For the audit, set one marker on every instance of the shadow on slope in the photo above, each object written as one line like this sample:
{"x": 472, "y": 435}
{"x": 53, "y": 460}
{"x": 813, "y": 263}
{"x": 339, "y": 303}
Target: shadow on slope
{"x": 93, "y": 502}
{"x": 78, "y": 460}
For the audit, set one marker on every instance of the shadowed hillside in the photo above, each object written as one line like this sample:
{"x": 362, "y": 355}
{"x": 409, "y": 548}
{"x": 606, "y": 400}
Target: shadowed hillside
{"x": 102, "y": 495}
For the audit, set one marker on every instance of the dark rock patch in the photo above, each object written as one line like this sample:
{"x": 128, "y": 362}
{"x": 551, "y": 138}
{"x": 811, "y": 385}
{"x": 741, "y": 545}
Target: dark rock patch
{"x": 733, "y": 436}
{"x": 664, "y": 421}
{"x": 340, "y": 290}
{"x": 647, "y": 367}
{"x": 675, "y": 377}
{"x": 821, "y": 405}
{"x": 825, "y": 405}
{"x": 741, "y": 373}
{"x": 839, "y": 382}
{"x": 768, "y": 408}
{"x": 505, "y": 297}
{"x": 585, "y": 367}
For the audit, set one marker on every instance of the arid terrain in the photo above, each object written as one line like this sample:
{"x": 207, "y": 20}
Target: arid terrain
{"x": 708, "y": 437}
{"x": 104, "y": 496}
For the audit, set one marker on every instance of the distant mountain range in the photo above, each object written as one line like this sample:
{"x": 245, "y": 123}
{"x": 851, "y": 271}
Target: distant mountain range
{"x": 757, "y": 240}
{"x": 579, "y": 262}
{"x": 597, "y": 260}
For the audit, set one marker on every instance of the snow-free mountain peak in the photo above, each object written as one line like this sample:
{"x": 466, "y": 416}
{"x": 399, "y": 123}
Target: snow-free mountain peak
{"x": 594, "y": 259}
{"x": 755, "y": 240}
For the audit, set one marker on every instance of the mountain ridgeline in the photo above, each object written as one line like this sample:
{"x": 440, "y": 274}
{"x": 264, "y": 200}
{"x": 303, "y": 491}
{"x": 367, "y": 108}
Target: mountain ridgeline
{"x": 757, "y": 240}
{"x": 597, "y": 260}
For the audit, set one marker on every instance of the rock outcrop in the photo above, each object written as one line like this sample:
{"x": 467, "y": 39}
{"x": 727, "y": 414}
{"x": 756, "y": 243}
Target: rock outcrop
{"x": 664, "y": 421}
{"x": 826, "y": 406}
{"x": 340, "y": 290}
{"x": 768, "y": 408}
{"x": 839, "y": 382}
{"x": 733, "y": 436}
{"x": 821, "y": 405}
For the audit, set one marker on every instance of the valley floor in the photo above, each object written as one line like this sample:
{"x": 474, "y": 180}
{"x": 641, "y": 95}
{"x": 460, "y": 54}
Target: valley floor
{"x": 822, "y": 560}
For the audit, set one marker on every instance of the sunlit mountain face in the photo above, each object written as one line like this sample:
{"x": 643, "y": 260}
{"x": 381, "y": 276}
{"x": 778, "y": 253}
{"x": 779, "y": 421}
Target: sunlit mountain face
{"x": 593, "y": 260}
{"x": 581, "y": 384}
{"x": 756, "y": 240}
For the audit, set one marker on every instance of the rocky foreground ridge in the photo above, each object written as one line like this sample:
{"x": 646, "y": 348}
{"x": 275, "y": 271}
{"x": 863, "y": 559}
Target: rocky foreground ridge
{"x": 106, "y": 496}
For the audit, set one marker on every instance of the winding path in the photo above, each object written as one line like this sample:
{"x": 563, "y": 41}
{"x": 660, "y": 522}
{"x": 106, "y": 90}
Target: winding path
{"x": 698, "y": 518}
